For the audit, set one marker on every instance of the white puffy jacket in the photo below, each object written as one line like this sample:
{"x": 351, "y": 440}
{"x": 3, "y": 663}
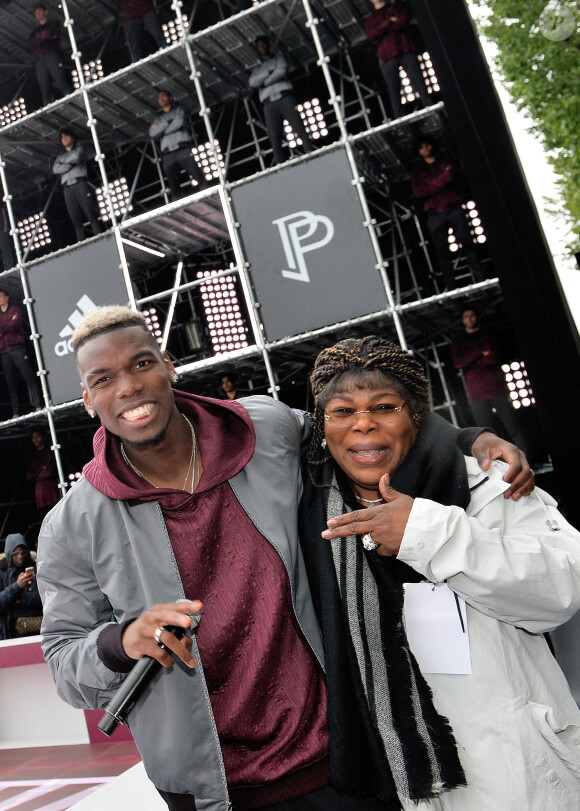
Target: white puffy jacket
{"x": 514, "y": 719}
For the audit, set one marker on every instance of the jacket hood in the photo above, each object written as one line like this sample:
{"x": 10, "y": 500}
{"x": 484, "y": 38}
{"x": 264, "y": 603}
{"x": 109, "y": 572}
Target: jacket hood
{"x": 226, "y": 441}
{"x": 12, "y": 541}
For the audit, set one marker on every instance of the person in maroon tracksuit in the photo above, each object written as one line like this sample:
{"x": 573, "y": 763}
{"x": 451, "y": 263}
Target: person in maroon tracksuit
{"x": 476, "y": 352}
{"x": 42, "y": 471}
{"x": 44, "y": 42}
{"x": 14, "y": 355}
{"x": 139, "y": 16}
{"x": 435, "y": 184}
{"x": 388, "y": 27}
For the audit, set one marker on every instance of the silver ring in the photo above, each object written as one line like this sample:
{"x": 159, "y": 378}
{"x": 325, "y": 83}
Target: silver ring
{"x": 157, "y": 635}
{"x": 368, "y": 542}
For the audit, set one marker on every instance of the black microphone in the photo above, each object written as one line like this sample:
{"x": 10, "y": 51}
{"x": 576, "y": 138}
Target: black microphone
{"x": 126, "y": 695}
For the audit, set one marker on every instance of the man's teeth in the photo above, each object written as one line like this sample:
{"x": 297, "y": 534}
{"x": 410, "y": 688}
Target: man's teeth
{"x": 138, "y": 413}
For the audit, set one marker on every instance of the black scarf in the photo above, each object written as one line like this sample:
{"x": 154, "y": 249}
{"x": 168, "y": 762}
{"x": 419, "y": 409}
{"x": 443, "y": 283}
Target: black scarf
{"x": 422, "y": 760}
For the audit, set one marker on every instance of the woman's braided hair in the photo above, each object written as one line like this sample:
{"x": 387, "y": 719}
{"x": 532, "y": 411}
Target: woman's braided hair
{"x": 359, "y": 358}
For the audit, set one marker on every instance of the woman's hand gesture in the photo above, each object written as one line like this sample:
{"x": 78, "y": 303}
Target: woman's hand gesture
{"x": 385, "y": 523}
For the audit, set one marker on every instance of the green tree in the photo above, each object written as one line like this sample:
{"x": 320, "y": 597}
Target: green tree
{"x": 539, "y": 59}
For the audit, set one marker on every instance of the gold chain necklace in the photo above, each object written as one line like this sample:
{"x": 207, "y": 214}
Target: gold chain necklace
{"x": 191, "y": 468}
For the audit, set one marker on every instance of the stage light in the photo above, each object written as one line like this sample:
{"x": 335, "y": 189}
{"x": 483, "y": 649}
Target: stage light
{"x": 92, "y": 71}
{"x": 222, "y": 312}
{"x": 518, "y": 383}
{"x": 152, "y": 321}
{"x": 28, "y": 226}
{"x": 119, "y": 199}
{"x": 428, "y": 72}
{"x": 409, "y": 93}
{"x": 473, "y": 223}
{"x": 193, "y": 336}
{"x": 12, "y": 112}
{"x": 175, "y": 29}
{"x": 313, "y": 118}
{"x": 206, "y": 161}
{"x": 73, "y": 478}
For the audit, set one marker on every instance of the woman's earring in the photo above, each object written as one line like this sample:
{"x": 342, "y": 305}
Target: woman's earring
{"x": 173, "y": 376}
{"x": 91, "y": 413}
{"x": 323, "y": 443}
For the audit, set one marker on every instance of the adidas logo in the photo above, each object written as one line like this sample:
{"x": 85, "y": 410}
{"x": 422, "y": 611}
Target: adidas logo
{"x": 84, "y": 305}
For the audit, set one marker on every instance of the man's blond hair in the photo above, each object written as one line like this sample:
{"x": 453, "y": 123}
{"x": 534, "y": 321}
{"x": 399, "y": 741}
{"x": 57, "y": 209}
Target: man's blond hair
{"x": 106, "y": 319}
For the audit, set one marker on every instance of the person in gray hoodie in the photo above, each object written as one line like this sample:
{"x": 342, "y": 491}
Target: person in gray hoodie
{"x": 71, "y": 166}
{"x": 276, "y": 95}
{"x": 19, "y": 595}
{"x": 169, "y": 128}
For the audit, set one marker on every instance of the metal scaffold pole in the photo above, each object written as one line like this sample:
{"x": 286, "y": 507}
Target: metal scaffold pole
{"x": 232, "y": 225}
{"x": 99, "y": 155}
{"x": 369, "y": 223}
{"x": 34, "y": 334}
{"x": 449, "y": 402}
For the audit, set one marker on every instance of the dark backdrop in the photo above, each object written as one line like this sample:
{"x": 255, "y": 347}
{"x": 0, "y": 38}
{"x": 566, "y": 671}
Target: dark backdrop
{"x": 534, "y": 301}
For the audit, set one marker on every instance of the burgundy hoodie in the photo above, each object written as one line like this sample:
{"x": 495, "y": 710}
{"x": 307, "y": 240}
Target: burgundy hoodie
{"x": 266, "y": 687}
{"x": 45, "y": 38}
{"x": 388, "y": 27}
{"x": 435, "y": 184}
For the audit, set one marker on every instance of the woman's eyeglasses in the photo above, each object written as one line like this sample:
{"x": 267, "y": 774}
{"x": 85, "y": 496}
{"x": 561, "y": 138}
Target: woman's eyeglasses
{"x": 383, "y": 413}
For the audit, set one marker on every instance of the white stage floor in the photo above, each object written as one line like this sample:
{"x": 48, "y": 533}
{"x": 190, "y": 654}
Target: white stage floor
{"x": 132, "y": 789}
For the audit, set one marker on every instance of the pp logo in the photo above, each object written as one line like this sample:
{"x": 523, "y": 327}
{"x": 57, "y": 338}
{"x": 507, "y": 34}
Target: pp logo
{"x": 296, "y": 231}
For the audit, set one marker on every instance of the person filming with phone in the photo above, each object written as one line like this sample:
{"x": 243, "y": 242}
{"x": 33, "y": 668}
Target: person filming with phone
{"x": 19, "y": 598}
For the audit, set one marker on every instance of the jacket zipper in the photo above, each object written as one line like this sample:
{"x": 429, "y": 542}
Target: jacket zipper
{"x": 199, "y": 663}
{"x": 286, "y": 566}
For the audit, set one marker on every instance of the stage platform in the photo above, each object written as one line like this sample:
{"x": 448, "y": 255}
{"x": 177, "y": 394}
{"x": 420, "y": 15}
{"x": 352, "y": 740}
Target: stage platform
{"x": 61, "y": 777}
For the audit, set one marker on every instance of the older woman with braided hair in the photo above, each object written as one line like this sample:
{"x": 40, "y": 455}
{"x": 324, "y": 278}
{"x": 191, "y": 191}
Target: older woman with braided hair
{"x": 433, "y": 592}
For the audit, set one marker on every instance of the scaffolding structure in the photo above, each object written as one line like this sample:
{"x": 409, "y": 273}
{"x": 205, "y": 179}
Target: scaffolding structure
{"x": 166, "y": 249}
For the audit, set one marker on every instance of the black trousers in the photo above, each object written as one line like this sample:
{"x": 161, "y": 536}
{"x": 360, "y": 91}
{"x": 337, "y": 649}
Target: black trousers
{"x": 323, "y": 799}
{"x": 274, "y": 113}
{"x": 173, "y": 163}
{"x": 18, "y": 361}
{"x": 134, "y": 32}
{"x": 49, "y": 72}
{"x": 438, "y": 223}
{"x": 81, "y": 205}
{"x": 7, "y": 251}
{"x": 504, "y": 411}
{"x": 328, "y": 799}
{"x": 390, "y": 70}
